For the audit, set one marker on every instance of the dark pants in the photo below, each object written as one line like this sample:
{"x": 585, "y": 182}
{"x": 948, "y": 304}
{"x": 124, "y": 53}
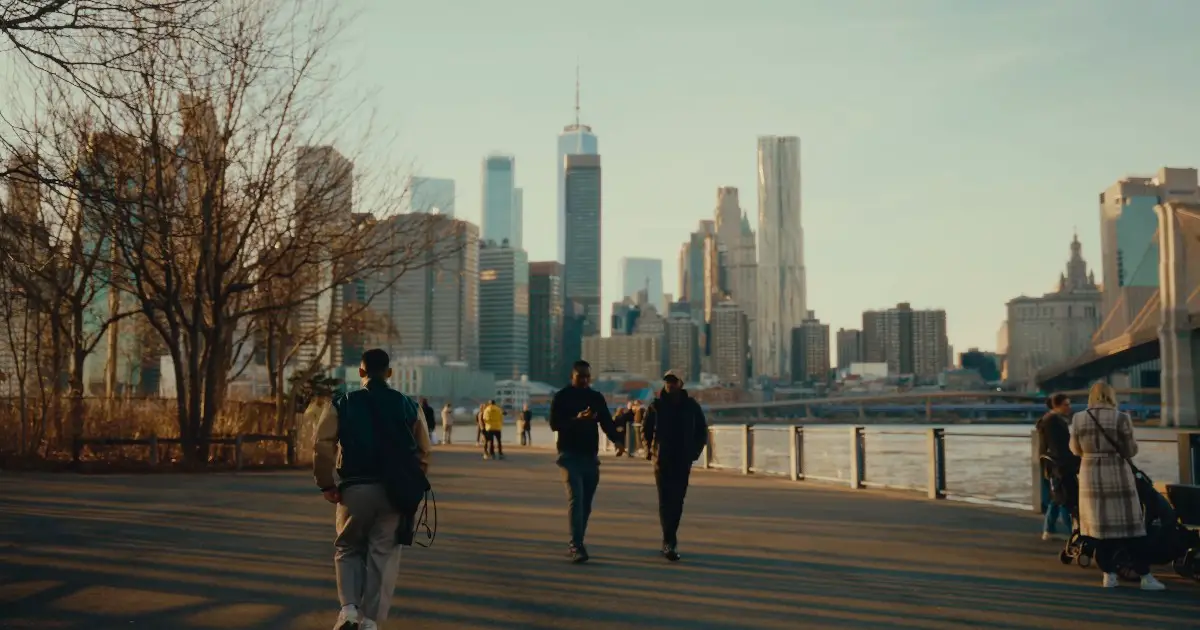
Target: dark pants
{"x": 1133, "y": 548}
{"x": 526, "y": 435}
{"x": 492, "y": 443}
{"x": 672, "y": 482}
{"x": 581, "y": 475}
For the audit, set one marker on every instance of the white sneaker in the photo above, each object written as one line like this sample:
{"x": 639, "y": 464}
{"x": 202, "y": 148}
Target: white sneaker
{"x": 348, "y": 619}
{"x": 1111, "y": 580}
{"x": 1047, "y": 536}
{"x": 1151, "y": 583}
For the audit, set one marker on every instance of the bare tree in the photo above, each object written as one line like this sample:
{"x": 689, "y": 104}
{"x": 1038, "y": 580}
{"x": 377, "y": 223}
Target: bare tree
{"x": 238, "y": 191}
{"x": 68, "y": 39}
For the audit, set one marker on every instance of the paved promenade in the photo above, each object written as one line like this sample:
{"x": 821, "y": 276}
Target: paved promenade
{"x": 254, "y": 551}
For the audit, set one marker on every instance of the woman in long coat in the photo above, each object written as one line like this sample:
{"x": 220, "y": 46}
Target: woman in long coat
{"x": 1109, "y": 509}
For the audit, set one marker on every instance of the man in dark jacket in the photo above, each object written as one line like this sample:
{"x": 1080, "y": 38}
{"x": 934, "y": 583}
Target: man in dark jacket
{"x": 674, "y": 433}
{"x": 1060, "y": 485}
{"x": 575, "y": 413}
{"x": 367, "y": 556}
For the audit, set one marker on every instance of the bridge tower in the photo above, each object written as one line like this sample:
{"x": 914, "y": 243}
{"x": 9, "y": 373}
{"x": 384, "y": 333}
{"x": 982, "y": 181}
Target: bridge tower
{"x": 1179, "y": 343}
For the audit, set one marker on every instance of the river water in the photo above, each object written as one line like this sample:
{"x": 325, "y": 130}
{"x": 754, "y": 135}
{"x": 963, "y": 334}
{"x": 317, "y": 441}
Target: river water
{"x": 984, "y": 462}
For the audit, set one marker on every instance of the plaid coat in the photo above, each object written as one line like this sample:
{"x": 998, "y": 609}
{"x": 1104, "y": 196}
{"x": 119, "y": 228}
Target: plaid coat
{"x": 1108, "y": 500}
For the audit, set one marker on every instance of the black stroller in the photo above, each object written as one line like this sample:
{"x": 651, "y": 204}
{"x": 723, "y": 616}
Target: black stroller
{"x": 1186, "y": 501}
{"x": 1168, "y": 541}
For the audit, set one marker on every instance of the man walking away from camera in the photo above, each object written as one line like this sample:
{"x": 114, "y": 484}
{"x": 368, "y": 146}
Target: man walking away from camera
{"x": 674, "y": 433}
{"x": 493, "y": 431}
{"x": 348, "y": 464}
{"x": 575, "y": 413}
{"x": 430, "y": 419}
{"x": 526, "y": 427}
{"x": 447, "y": 423}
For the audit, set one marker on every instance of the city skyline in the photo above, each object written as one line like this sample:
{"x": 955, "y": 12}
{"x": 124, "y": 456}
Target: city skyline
{"x": 982, "y": 101}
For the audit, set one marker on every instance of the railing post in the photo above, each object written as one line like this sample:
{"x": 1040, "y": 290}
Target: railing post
{"x": 237, "y": 452}
{"x": 291, "y": 447}
{"x": 708, "y": 448}
{"x": 153, "y": 449}
{"x": 1189, "y": 458}
{"x": 1035, "y": 465}
{"x": 857, "y": 457}
{"x": 937, "y": 463}
{"x": 747, "y": 448}
{"x": 928, "y": 410}
{"x": 796, "y": 452}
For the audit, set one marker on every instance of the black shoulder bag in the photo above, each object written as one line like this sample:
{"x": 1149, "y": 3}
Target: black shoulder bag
{"x": 403, "y": 479}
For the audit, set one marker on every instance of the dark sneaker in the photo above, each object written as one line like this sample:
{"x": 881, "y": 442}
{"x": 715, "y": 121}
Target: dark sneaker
{"x": 578, "y": 554}
{"x": 669, "y": 552}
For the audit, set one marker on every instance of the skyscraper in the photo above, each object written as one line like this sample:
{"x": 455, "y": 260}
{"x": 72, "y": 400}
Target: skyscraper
{"x": 434, "y": 309}
{"x": 911, "y": 342}
{"x": 683, "y": 346}
{"x": 583, "y": 212}
{"x": 730, "y": 341}
{"x": 781, "y": 302}
{"x": 431, "y": 195}
{"x": 575, "y": 139}
{"x": 849, "y": 347}
{"x": 740, "y": 259}
{"x": 503, "y": 310}
{"x": 643, "y": 274}
{"x": 545, "y": 321}
{"x": 693, "y": 268}
{"x": 499, "y": 198}
{"x": 810, "y": 351}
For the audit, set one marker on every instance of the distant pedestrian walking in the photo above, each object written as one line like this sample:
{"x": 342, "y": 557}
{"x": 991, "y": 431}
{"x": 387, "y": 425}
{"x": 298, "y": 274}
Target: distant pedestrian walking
{"x": 479, "y": 430}
{"x": 575, "y": 413}
{"x": 623, "y": 420}
{"x": 674, "y": 433}
{"x": 369, "y": 458}
{"x": 447, "y": 423}
{"x": 493, "y": 431}
{"x": 526, "y": 427}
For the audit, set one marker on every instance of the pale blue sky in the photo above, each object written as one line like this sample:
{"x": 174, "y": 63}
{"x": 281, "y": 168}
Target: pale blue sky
{"x": 949, "y": 147}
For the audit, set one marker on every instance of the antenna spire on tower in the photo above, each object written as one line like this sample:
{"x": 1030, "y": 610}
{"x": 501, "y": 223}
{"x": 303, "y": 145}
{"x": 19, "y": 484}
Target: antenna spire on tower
{"x": 577, "y": 92}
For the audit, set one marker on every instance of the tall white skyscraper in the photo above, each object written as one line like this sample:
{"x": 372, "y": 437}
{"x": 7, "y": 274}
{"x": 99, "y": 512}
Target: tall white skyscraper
{"x": 499, "y": 198}
{"x": 781, "y": 300}
{"x": 575, "y": 139}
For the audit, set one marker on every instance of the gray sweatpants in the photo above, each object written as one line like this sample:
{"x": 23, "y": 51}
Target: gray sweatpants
{"x": 367, "y": 557}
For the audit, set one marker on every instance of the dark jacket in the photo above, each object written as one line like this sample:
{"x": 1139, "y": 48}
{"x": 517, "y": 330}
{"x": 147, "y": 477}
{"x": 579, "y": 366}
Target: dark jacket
{"x": 576, "y": 436}
{"x": 527, "y": 416}
{"x": 674, "y": 430}
{"x": 346, "y": 434}
{"x": 624, "y": 417}
{"x": 1054, "y": 432}
{"x": 430, "y": 421}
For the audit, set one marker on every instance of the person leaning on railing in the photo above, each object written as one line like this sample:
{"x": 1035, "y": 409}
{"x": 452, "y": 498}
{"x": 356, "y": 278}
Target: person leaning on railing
{"x": 1110, "y": 511}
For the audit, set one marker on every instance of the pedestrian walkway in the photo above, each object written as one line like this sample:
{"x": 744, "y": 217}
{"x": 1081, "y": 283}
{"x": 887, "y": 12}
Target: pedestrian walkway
{"x": 253, "y": 550}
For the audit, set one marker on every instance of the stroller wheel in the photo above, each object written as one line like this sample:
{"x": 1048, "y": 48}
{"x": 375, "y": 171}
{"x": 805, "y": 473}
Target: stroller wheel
{"x": 1084, "y": 560}
{"x": 1063, "y": 557}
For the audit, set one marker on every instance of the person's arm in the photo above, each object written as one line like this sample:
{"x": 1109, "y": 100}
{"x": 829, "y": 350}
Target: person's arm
{"x": 557, "y": 421}
{"x": 325, "y": 445}
{"x": 424, "y": 447}
{"x": 701, "y": 429}
{"x": 1125, "y": 439}
{"x": 1074, "y": 443}
{"x": 604, "y": 417}
{"x": 649, "y": 428}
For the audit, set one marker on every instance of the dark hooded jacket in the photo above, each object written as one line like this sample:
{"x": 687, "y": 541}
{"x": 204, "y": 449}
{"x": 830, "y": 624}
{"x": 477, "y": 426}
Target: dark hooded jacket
{"x": 674, "y": 431}
{"x": 1055, "y": 433}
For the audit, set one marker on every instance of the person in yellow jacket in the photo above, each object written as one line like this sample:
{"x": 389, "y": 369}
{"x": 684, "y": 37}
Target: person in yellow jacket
{"x": 493, "y": 425}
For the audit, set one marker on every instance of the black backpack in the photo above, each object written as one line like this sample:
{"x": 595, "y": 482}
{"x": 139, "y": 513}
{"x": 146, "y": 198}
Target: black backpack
{"x": 403, "y": 479}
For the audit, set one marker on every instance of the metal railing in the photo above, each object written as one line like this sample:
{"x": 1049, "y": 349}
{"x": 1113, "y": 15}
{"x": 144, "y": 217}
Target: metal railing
{"x": 995, "y": 468}
{"x": 156, "y": 445}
